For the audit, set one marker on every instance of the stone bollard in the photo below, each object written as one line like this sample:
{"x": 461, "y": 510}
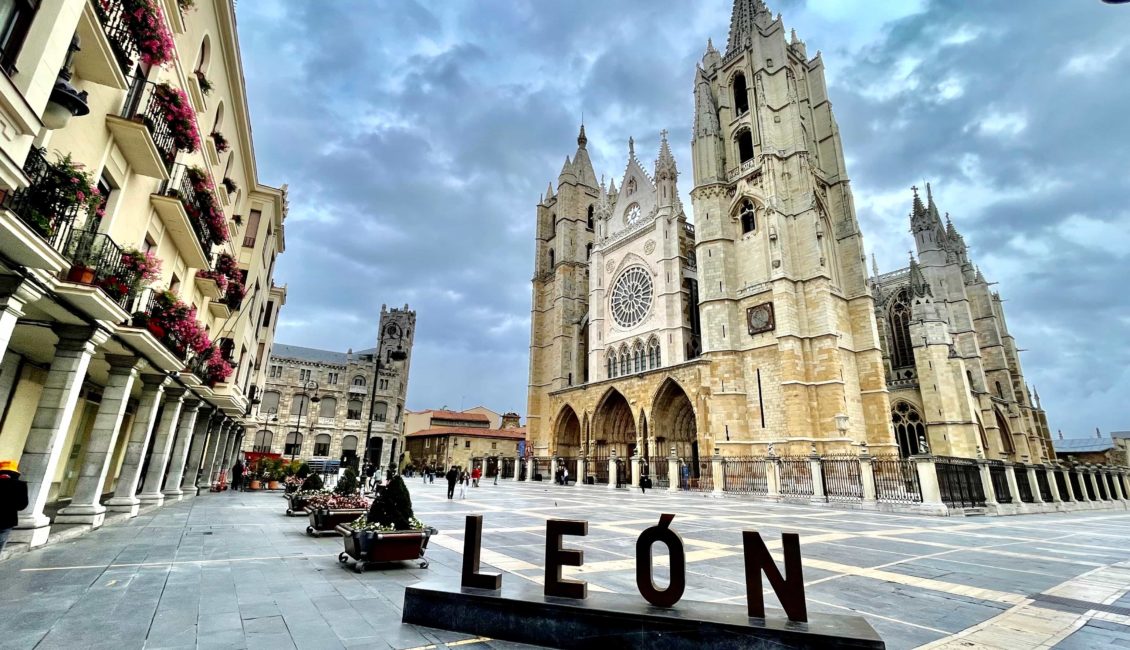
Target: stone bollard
{"x": 718, "y": 468}
{"x": 814, "y": 466}
{"x": 672, "y": 472}
{"x": 612, "y": 475}
{"x": 928, "y": 482}
{"x": 772, "y": 477}
{"x": 867, "y": 478}
{"x": 636, "y": 469}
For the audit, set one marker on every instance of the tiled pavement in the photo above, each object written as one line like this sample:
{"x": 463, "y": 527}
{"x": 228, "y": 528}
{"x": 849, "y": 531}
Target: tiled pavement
{"x": 231, "y": 571}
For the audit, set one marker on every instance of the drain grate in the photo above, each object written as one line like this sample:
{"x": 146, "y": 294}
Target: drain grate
{"x": 1080, "y": 606}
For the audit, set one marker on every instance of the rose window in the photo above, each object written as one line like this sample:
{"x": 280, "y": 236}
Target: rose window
{"x": 631, "y": 297}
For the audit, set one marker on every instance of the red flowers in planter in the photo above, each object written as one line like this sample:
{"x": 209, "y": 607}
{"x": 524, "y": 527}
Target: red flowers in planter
{"x": 221, "y": 142}
{"x": 216, "y": 367}
{"x": 179, "y": 116}
{"x": 205, "y": 207}
{"x": 174, "y": 322}
{"x": 146, "y": 23}
{"x": 225, "y": 273}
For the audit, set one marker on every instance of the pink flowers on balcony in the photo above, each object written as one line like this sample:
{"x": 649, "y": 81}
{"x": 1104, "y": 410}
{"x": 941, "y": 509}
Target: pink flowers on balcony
{"x": 147, "y": 265}
{"x": 216, "y": 368}
{"x": 146, "y": 23}
{"x": 179, "y": 116}
{"x": 225, "y": 274}
{"x": 205, "y": 207}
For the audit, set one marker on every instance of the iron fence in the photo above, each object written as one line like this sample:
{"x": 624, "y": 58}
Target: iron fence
{"x": 506, "y": 467}
{"x": 697, "y": 477}
{"x": 745, "y": 474}
{"x": 1023, "y": 485}
{"x": 841, "y": 478}
{"x": 623, "y": 474}
{"x": 896, "y": 480}
{"x": 600, "y": 469}
{"x": 1061, "y": 483}
{"x": 180, "y": 186}
{"x": 111, "y": 13}
{"x": 541, "y": 469}
{"x": 45, "y": 204}
{"x": 566, "y": 463}
{"x": 796, "y": 476}
{"x": 1043, "y": 485}
{"x": 658, "y": 470}
{"x": 999, "y": 478}
{"x": 959, "y": 480}
{"x": 98, "y": 260}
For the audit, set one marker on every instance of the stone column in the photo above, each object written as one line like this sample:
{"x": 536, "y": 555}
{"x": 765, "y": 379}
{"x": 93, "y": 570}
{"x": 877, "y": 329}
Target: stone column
{"x": 185, "y": 427}
{"x": 817, "y": 479}
{"x": 1051, "y": 472}
{"x": 15, "y": 293}
{"x": 1014, "y": 486}
{"x": 44, "y": 446}
{"x": 928, "y": 482}
{"x": 635, "y": 469}
{"x": 581, "y": 470}
{"x": 867, "y": 479}
{"x": 86, "y": 506}
{"x": 1082, "y": 495}
{"x": 230, "y": 451}
{"x": 1035, "y": 483}
{"x": 772, "y": 477}
{"x": 1089, "y": 477}
{"x": 553, "y": 468}
{"x": 718, "y": 468}
{"x": 205, "y": 422}
{"x": 124, "y": 499}
{"x": 162, "y": 447}
{"x": 517, "y": 468}
{"x": 673, "y": 471}
{"x": 612, "y": 477}
{"x": 1117, "y": 491}
{"x": 213, "y": 457}
{"x": 987, "y": 484}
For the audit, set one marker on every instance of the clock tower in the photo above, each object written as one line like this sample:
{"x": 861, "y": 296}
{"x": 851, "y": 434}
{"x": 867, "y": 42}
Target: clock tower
{"x": 787, "y": 316}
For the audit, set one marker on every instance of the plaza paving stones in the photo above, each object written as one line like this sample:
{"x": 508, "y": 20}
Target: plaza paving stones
{"x": 231, "y": 571}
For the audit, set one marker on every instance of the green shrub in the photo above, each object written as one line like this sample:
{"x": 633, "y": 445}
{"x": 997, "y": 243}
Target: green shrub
{"x": 312, "y": 482}
{"x": 347, "y": 484}
{"x": 303, "y": 470}
{"x": 392, "y": 506}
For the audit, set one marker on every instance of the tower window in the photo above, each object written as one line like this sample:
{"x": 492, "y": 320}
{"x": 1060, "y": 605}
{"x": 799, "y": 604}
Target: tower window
{"x": 552, "y": 259}
{"x": 745, "y": 146}
{"x": 747, "y": 216}
{"x": 591, "y": 220}
{"x": 901, "y": 350}
{"x": 588, "y": 251}
{"x": 741, "y": 94}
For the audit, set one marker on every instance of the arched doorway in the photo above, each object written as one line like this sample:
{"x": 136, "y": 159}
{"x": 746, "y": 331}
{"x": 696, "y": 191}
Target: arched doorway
{"x": 673, "y": 422}
{"x": 567, "y": 433}
{"x": 614, "y": 428}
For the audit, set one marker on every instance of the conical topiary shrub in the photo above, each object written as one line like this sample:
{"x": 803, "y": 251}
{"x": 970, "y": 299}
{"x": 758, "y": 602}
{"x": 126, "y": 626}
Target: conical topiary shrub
{"x": 312, "y": 482}
{"x": 347, "y": 484}
{"x": 393, "y": 506}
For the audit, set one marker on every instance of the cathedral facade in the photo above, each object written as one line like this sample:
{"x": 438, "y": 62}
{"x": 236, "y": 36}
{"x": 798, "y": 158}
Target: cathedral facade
{"x": 757, "y": 330}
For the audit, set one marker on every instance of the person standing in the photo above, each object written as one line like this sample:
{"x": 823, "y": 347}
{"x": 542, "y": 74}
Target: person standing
{"x": 476, "y": 474}
{"x": 464, "y": 479}
{"x": 452, "y": 476}
{"x": 565, "y": 476}
{"x": 237, "y": 476}
{"x": 13, "y": 499}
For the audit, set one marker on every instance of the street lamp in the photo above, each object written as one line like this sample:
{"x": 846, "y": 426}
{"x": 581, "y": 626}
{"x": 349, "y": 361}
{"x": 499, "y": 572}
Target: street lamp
{"x": 312, "y": 387}
{"x": 393, "y": 355}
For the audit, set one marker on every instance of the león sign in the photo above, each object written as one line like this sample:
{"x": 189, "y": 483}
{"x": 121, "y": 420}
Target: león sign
{"x": 788, "y": 588}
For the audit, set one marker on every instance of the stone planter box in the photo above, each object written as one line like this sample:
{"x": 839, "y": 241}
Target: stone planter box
{"x": 327, "y": 521}
{"x": 296, "y": 506}
{"x": 372, "y": 548}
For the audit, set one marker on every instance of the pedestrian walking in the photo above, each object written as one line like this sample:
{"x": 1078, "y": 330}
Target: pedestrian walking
{"x": 452, "y": 476}
{"x": 476, "y": 474}
{"x": 565, "y": 476}
{"x": 464, "y": 479}
{"x": 431, "y": 473}
{"x": 13, "y": 498}
{"x": 496, "y": 473}
{"x": 237, "y": 476}
{"x": 369, "y": 471}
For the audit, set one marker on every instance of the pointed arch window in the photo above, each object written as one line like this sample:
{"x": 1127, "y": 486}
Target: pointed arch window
{"x": 588, "y": 251}
{"x": 591, "y": 219}
{"x": 898, "y": 319}
{"x": 741, "y": 94}
{"x": 748, "y": 216}
{"x": 909, "y": 428}
{"x": 638, "y": 360}
{"x": 653, "y": 353}
{"x": 552, "y": 259}
{"x": 611, "y": 364}
{"x": 1005, "y": 432}
{"x": 745, "y": 146}
{"x": 625, "y": 361}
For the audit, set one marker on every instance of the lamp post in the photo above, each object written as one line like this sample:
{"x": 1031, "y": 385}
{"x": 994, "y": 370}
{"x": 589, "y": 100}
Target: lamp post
{"x": 312, "y": 387}
{"x": 394, "y": 355}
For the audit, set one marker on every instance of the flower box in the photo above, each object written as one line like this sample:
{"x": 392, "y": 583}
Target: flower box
{"x": 327, "y": 521}
{"x": 371, "y": 547}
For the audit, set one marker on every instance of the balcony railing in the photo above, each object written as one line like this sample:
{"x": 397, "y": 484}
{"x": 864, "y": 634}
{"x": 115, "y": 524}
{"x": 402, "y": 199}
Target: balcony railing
{"x": 142, "y": 105}
{"x": 41, "y": 205}
{"x": 146, "y": 314}
{"x": 97, "y": 260}
{"x": 179, "y": 186}
{"x": 112, "y": 15}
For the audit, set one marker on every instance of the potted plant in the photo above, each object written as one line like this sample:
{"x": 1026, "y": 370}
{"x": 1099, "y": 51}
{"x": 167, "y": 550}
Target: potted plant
{"x": 389, "y": 532}
{"x": 146, "y": 24}
{"x": 205, "y": 85}
{"x": 221, "y": 142}
{"x": 57, "y": 193}
{"x": 328, "y": 511}
{"x": 231, "y": 187}
{"x": 217, "y": 369}
{"x": 179, "y": 115}
{"x": 274, "y": 474}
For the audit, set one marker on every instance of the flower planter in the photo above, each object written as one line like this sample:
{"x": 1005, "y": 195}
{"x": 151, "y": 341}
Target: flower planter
{"x": 255, "y": 484}
{"x": 372, "y": 547}
{"x": 272, "y": 485}
{"x": 81, "y": 274}
{"x": 327, "y": 521}
{"x": 297, "y": 505}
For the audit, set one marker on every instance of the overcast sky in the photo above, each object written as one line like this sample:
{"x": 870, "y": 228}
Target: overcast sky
{"x": 416, "y": 138}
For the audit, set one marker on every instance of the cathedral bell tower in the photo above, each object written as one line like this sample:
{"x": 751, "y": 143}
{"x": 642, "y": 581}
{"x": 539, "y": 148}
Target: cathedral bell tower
{"x": 558, "y": 326}
{"x": 785, "y": 308}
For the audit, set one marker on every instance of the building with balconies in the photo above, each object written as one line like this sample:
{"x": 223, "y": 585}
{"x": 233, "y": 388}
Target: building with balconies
{"x": 137, "y": 247}
{"x": 325, "y": 405}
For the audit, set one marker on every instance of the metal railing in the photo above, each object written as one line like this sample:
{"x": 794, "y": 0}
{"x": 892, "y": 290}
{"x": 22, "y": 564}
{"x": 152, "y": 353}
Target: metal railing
{"x": 623, "y": 473}
{"x": 745, "y": 474}
{"x": 142, "y": 105}
{"x": 959, "y": 480}
{"x": 599, "y": 469}
{"x": 98, "y": 261}
{"x": 41, "y": 205}
{"x": 111, "y": 13}
{"x": 697, "y": 477}
{"x": 145, "y": 315}
{"x": 1061, "y": 483}
{"x": 841, "y": 478}
{"x": 896, "y": 480}
{"x": 1043, "y": 485}
{"x": 1023, "y": 485}
{"x": 506, "y": 468}
{"x": 658, "y": 470}
{"x": 796, "y": 476}
{"x": 999, "y": 478}
{"x": 179, "y": 186}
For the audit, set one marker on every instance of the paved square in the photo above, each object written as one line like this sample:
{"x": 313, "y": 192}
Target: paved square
{"x": 232, "y": 571}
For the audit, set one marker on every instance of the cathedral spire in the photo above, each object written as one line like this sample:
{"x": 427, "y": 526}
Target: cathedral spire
{"x": 582, "y": 166}
{"x": 746, "y": 18}
{"x": 665, "y": 163}
{"x": 566, "y": 172}
{"x": 921, "y": 216}
{"x": 549, "y": 191}
{"x": 705, "y": 112}
{"x": 874, "y": 266}
{"x": 918, "y": 284}
{"x": 582, "y": 141}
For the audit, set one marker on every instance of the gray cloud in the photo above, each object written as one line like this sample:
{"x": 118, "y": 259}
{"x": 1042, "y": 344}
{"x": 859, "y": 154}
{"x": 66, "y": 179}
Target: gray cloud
{"x": 416, "y": 138}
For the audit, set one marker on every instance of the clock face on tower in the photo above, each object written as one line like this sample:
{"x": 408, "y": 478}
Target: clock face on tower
{"x": 759, "y": 318}
{"x": 632, "y": 214}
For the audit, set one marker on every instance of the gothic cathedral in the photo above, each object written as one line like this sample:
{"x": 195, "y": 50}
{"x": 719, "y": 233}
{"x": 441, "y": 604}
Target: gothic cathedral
{"x": 757, "y": 330}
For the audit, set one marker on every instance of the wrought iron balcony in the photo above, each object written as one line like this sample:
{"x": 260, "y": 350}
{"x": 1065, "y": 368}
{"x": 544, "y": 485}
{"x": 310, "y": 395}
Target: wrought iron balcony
{"x": 112, "y": 15}
{"x": 97, "y": 260}
{"x": 144, "y": 106}
{"x": 150, "y": 314}
{"x": 180, "y": 186}
{"x": 43, "y": 206}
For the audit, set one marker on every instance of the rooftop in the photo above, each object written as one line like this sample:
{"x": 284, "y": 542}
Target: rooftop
{"x": 461, "y": 416}
{"x": 284, "y": 351}
{"x": 1083, "y": 444}
{"x": 471, "y": 432}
